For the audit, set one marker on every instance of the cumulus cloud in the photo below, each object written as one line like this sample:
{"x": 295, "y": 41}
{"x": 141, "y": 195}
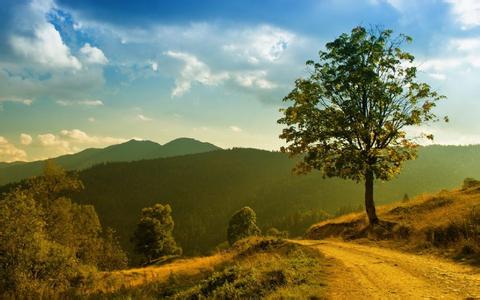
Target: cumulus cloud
{"x": 93, "y": 55}
{"x": 9, "y": 153}
{"x": 39, "y": 63}
{"x": 25, "y": 139}
{"x": 466, "y": 12}
{"x": 193, "y": 70}
{"x": 45, "y": 47}
{"x": 460, "y": 54}
{"x": 74, "y": 140}
{"x": 264, "y": 43}
{"x": 254, "y": 79}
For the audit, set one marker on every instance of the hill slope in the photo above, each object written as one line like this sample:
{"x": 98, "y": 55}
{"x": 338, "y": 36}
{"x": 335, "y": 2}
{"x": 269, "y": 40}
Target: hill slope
{"x": 205, "y": 189}
{"x": 132, "y": 150}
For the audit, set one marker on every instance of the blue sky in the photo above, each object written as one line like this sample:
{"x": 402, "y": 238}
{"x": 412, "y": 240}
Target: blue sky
{"x": 79, "y": 74}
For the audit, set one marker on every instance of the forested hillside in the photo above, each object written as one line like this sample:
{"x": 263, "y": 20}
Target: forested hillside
{"x": 130, "y": 151}
{"x": 205, "y": 189}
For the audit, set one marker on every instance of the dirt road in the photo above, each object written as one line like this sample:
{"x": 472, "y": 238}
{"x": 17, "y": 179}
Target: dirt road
{"x": 364, "y": 272}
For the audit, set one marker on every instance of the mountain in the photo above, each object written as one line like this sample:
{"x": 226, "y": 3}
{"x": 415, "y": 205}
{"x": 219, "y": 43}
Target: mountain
{"x": 132, "y": 150}
{"x": 205, "y": 189}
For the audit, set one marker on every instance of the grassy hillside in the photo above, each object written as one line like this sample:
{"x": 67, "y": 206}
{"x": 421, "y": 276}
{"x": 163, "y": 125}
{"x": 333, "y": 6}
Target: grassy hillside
{"x": 205, "y": 189}
{"x": 445, "y": 223}
{"x": 255, "y": 268}
{"x": 132, "y": 150}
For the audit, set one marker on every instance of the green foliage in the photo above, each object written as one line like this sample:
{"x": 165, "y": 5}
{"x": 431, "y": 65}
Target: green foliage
{"x": 29, "y": 261}
{"x": 242, "y": 224}
{"x": 348, "y": 118}
{"x": 45, "y": 239}
{"x": 153, "y": 235}
{"x": 297, "y": 223}
{"x": 113, "y": 256}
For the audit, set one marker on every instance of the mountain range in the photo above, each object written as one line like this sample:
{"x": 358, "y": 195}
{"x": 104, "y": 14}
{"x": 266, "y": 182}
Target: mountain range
{"x": 132, "y": 150}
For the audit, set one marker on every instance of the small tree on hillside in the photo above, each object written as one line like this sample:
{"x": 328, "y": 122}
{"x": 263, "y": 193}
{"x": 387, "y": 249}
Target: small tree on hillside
{"x": 153, "y": 236}
{"x": 242, "y": 224}
{"x": 348, "y": 118}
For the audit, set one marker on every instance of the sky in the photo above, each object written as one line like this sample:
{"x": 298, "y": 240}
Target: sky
{"x": 80, "y": 74}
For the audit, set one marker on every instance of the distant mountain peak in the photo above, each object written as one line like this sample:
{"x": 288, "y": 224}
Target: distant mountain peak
{"x": 132, "y": 150}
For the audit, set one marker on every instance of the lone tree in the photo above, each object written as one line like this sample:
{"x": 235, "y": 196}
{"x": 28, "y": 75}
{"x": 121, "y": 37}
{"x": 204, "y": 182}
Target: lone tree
{"x": 348, "y": 118}
{"x": 242, "y": 224}
{"x": 153, "y": 235}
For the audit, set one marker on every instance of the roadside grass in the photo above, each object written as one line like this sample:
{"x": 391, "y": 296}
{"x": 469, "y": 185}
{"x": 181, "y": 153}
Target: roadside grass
{"x": 445, "y": 223}
{"x": 254, "y": 268}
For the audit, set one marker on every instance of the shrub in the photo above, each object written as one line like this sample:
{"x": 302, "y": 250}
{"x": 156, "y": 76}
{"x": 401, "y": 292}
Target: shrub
{"x": 470, "y": 183}
{"x": 242, "y": 224}
{"x": 153, "y": 237}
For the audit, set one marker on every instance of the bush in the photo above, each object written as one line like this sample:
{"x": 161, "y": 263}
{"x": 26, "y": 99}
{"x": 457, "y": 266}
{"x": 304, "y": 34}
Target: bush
{"x": 47, "y": 241}
{"x": 470, "y": 183}
{"x": 242, "y": 224}
{"x": 153, "y": 237}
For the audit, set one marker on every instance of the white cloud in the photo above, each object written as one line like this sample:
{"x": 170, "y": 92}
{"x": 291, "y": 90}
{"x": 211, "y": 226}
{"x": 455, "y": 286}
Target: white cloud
{"x": 438, "y": 76}
{"x": 74, "y": 140}
{"x": 93, "y": 55}
{"x": 443, "y": 136}
{"x": 80, "y": 102}
{"x": 154, "y": 66}
{"x": 45, "y": 47}
{"x": 459, "y": 54}
{"x": 25, "y": 139}
{"x": 91, "y": 102}
{"x": 193, "y": 70}
{"x": 9, "y": 153}
{"x": 144, "y": 118}
{"x": 264, "y": 43}
{"x": 27, "y": 102}
{"x": 466, "y": 12}
{"x": 254, "y": 79}
{"x": 235, "y": 128}
{"x": 91, "y": 119}
{"x": 440, "y": 64}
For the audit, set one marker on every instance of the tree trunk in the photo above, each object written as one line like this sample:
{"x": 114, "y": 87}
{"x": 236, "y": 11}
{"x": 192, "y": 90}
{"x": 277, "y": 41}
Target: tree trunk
{"x": 369, "y": 203}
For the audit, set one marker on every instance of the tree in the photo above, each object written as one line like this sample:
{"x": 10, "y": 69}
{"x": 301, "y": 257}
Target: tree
{"x": 242, "y": 224}
{"x": 153, "y": 235}
{"x": 46, "y": 239}
{"x": 348, "y": 117}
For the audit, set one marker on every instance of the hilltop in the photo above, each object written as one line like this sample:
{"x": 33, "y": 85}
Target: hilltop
{"x": 446, "y": 223}
{"x": 132, "y": 150}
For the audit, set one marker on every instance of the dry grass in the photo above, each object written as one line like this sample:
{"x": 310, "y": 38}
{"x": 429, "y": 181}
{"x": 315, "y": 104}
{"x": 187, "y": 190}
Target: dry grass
{"x": 254, "y": 268}
{"x": 430, "y": 222}
{"x": 108, "y": 282}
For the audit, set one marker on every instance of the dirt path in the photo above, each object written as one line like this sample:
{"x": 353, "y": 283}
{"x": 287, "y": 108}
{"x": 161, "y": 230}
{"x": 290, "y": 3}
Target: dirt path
{"x": 365, "y": 272}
